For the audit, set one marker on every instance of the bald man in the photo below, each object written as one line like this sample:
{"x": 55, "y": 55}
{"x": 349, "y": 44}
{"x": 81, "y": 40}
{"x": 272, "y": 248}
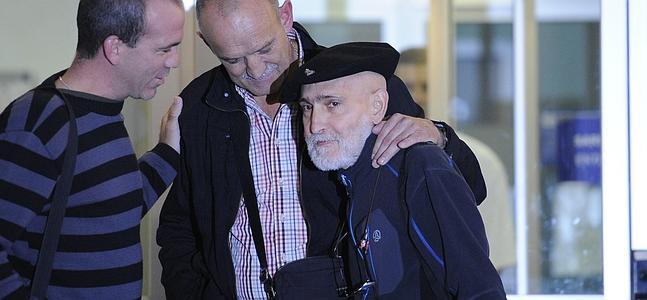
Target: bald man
{"x": 412, "y": 229}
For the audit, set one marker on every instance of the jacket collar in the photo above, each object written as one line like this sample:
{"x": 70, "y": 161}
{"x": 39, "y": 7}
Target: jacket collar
{"x": 306, "y": 40}
{"x": 222, "y": 96}
{"x": 362, "y": 167}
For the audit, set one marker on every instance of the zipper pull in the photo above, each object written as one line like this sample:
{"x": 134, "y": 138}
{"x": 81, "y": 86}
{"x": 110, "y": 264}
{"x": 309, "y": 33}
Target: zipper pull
{"x": 347, "y": 183}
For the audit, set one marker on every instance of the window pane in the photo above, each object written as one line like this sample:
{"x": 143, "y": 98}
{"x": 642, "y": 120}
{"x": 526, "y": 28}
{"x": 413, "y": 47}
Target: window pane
{"x": 563, "y": 229}
{"x": 570, "y": 178}
{"x": 567, "y": 257}
{"x": 483, "y": 109}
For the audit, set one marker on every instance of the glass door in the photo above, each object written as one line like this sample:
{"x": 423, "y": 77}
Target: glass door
{"x": 539, "y": 90}
{"x": 527, "y": 77}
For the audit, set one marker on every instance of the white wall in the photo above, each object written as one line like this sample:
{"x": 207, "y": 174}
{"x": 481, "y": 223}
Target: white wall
{"x": 38, "y": 37}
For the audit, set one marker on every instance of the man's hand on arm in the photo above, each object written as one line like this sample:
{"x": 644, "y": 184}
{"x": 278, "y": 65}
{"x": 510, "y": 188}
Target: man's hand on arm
{"x": 400, "y": 132}
{"x": 170, "y": 129}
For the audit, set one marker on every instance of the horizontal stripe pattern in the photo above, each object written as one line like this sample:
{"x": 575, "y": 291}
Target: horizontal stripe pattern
{"x": 106, "y": 206}
{"x": 96, "y": 293}
{"x": 22, "y": 177}
{"x": 99, "y": 254}
{"x": 25, "y": 143}
{"x": 17, "y": 120}
{"x": 88, "y": 243}
{"x": 20, "y": 196}
{"x": 89, "y": 261}
{"x": 86, "y": 278}
{"x": 102, "y": 154}
{"x": 91, "y": 226}
{"x": 125, "y": 183}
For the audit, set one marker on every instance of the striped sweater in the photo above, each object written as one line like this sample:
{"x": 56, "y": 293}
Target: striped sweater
{"x": 99, "y": 254}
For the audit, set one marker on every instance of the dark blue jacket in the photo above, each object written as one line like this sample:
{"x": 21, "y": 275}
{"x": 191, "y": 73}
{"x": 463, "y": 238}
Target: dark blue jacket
{"x": 426, "y": 238}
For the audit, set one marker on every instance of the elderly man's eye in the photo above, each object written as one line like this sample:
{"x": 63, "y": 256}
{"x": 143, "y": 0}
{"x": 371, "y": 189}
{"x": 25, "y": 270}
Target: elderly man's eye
{"x": 334, "y": 103}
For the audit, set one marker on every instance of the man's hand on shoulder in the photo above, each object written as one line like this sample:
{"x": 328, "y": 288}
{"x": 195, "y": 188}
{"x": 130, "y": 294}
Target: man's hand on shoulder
{"x": 170, "y": 128}
{"x": 400, "y": 132}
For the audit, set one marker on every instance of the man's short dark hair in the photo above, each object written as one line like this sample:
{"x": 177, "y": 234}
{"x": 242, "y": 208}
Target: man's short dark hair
{"x": 98, "y": 19}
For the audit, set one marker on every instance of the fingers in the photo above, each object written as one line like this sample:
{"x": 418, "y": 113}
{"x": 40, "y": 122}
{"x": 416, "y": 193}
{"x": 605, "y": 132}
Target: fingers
{"x": 421, "y": 134}
{"x": 382, "y": 130}
{"x": 377, "y": 128}
{"x": 400, "y": 132}
{"x": 170, "y": 127}
{"x": 391, "y": 133}
{"x": 176, "y": 108}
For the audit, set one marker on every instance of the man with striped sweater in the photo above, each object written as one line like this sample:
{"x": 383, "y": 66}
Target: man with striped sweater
{"x": 125, "y": 49}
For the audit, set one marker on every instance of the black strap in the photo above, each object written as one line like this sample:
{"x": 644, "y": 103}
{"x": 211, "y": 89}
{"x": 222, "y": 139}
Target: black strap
{"x": 251, "y": 203}
{"x": 62, "y": 189}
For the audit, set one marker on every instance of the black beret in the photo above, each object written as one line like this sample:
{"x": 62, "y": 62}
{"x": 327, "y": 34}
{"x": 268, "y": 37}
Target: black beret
{"x": 339, "y": 61}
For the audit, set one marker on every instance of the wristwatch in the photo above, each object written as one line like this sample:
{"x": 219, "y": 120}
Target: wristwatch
{"x": 443, "y": 131}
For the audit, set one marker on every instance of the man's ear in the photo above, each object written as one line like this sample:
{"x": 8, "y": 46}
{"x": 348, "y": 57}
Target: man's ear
{"x": 379, "y": 103}
{"x": 113, "y": 49}
{"x": 285, "y": 14}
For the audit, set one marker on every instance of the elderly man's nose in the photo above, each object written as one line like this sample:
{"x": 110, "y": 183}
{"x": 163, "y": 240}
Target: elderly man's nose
{"x": 317, "y": 122}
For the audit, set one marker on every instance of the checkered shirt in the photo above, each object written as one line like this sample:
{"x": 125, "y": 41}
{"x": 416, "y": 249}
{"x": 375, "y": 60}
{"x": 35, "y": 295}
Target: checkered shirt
{"x": 273, "y": 157}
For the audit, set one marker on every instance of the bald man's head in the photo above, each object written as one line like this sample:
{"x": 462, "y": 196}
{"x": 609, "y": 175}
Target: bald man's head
{"x": 250, "y": 39}
{"x": 338, "y": 116}
{"x": 220, "y": 8}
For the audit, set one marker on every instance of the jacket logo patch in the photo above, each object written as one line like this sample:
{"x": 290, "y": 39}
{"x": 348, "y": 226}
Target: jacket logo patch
{"x": 309, "y": 72}
{"x": 377, "y": 236}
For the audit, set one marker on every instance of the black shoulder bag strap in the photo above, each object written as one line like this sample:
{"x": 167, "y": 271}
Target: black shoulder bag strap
{"x": 251, "y": 203}
{"x": 62, "y": 189}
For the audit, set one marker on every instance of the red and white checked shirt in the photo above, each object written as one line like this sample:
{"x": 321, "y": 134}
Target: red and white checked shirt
{"x": 273, "y": 157}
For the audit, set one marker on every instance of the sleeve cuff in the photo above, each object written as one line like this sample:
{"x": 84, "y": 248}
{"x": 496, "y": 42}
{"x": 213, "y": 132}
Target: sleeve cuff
{"x": 169, "y": 154}
{"x": 448, "y": 133}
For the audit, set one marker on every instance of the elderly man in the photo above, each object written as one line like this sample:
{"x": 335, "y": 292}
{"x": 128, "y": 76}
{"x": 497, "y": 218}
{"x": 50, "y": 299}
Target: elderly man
{"x": 241, "y": 151}
{"x": 413, "y": 229}
{"x": 125, "y": 49}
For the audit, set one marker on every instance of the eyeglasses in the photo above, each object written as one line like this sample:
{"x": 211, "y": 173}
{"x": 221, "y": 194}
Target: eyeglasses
{"x": 362, "y": 289}
{"x": 367, "y": 281}
{"x": 363, "y": 255}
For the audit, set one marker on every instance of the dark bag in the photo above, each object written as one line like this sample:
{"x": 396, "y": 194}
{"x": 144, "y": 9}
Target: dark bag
{"x": 317, "y": 277}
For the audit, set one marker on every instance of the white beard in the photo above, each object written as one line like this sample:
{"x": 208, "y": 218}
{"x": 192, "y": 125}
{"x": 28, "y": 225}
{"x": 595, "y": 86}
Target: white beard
{"x": 349, "y": 147}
